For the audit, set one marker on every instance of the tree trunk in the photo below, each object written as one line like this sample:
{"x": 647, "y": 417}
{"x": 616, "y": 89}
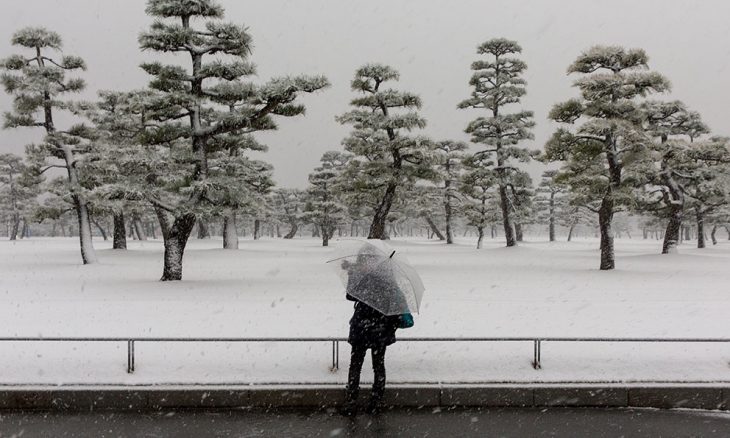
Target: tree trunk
{"x": 98, "y": 226}
{"x": 316, "y": 231}
{"x": 506, "y": 217}
{"x": 700, "y": 228}
{"x": 449, "y": 213}
{"x": 24, "y": 232}
{"x": 713, "y": 236}
{"x": 230, "y": 233}
{"x": 605, "y": 217}
{"x": 203, "y": 232}
{"x": 518, "y": 232}
{"x": 293, "y": 231}
{"x": 138, "y": 229}
{"x": 256, "y": 229}
{"x": 551, "y": 225}
{"x": 88, "y": 255}
{"x": 433, "y": 227}
{"x": 326, "y": 234}
{"x": 377, "y": 227}
{"x": 120, "y": 234}
{"x": 570, "y": 231}
{"x": 54, "y": 229}
{"x": 175, "y": 238}
{"x": 15, "y": 226}
{"x": 480, "y": 238}
{"x": 671, "y": 234}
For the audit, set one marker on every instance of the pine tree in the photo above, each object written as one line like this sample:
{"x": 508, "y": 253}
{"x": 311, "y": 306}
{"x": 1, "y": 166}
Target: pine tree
{"x": 324, "y": 207}
{"x": 386, "y": 158}
{"x": 448, "y": 157}
{"x": 194, "y": 107}
{"x": 549, "y": 200}
{"x": 603, "y": 154}
{"x": 676, "y": 128}
{"x": 706, "y": 168}
{"x": 288, "y": 206}
{"x": 19, "y": 188}
{"x": 481, "y": 204}
{"x": 38, "y": 84}
{"x": 497, "y": 83}
{"x": 521, "y": 193}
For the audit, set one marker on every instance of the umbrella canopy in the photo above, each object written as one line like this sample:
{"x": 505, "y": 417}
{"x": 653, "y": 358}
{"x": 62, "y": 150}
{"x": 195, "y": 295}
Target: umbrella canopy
{"x": 379, "y": 276}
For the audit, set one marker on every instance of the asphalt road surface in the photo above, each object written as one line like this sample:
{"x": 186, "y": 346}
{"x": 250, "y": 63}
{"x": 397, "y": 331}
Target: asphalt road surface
{"x": 558, "y": 422}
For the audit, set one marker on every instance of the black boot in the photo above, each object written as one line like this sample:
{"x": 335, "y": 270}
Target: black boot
{"x": 375, "y": 406}
{"x": 349, "y": 409}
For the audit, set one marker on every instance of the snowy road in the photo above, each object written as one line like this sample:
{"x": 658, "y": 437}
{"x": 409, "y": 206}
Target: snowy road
{"x": 564, "y": 423}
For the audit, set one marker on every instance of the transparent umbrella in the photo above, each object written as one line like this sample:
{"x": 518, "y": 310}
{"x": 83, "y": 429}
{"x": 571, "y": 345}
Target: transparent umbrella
{"x": 379, "y": 276}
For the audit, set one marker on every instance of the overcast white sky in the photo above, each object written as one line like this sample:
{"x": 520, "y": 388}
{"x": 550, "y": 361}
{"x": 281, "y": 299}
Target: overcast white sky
{"x": 431, "y": 42}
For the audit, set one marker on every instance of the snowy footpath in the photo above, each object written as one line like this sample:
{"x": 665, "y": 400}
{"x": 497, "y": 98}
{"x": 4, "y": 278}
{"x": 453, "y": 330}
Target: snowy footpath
{"x": 278, "y": 288}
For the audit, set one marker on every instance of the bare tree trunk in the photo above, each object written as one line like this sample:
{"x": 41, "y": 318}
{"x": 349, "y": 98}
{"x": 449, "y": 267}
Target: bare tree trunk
{"x": 377, "y": 227}
{"x": 15, "y": 226}
{"x": 480, "y": 238}
{"x": 293, "y": 231}
{"x": 700, "y": 228}
{"x": 506, "y": 217}
{"x": 433, "y": 227}
{"x": 671, "y": 234}
{"x": 315, "y": 231}
{"x": 120, "y": 234}
{"x": 570, "y": 231}
{"x": 605, "y": 217}
{"x": 256, "y": 229}
{"x": 88, "y": 255}
{"x": 24, "y": 232}
{"x": 98, "y": 226}
{"x": 519, "y": 235}
{"x": 551, "y": 225}
{"x": 327, "y": 233}
{"x": 175, "y": 236}
{"x": 449, "y": 213}
{"x": 712, "y": 234}
{"x": 152, "y": 231}
{"x": 203, "y": 232}
{"x": 230, "y": 233}
{"x": 54, "y": 229}
{"x": 138, "y": 229}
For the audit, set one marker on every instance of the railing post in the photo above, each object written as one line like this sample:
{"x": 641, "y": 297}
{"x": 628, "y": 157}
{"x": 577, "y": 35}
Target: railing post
{"x": 335, "y": 356}
{"x": 536, "y": 355}
{"x": 130, "y": 356}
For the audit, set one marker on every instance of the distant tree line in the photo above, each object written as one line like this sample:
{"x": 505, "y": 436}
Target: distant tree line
{"x": 174, "y": 157}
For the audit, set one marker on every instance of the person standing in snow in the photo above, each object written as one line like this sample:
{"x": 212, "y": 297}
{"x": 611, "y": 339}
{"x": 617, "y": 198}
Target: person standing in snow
{"x": 369, "y": 329}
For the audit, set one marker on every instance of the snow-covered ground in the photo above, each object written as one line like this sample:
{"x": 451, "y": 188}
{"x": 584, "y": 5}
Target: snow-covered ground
{"x": 283, "y": 288}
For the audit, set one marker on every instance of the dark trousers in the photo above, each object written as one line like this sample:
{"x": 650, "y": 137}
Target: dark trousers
{"x": 357, "y": 357}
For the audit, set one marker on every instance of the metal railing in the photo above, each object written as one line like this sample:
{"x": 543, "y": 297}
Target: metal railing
{"x": 536, "y": 341}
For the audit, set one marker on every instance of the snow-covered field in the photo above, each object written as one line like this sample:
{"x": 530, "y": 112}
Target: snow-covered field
{"x": 283, "y": 288}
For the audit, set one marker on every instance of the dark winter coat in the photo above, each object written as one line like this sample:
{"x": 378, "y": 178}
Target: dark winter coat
{"x": 369, "y": 327}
